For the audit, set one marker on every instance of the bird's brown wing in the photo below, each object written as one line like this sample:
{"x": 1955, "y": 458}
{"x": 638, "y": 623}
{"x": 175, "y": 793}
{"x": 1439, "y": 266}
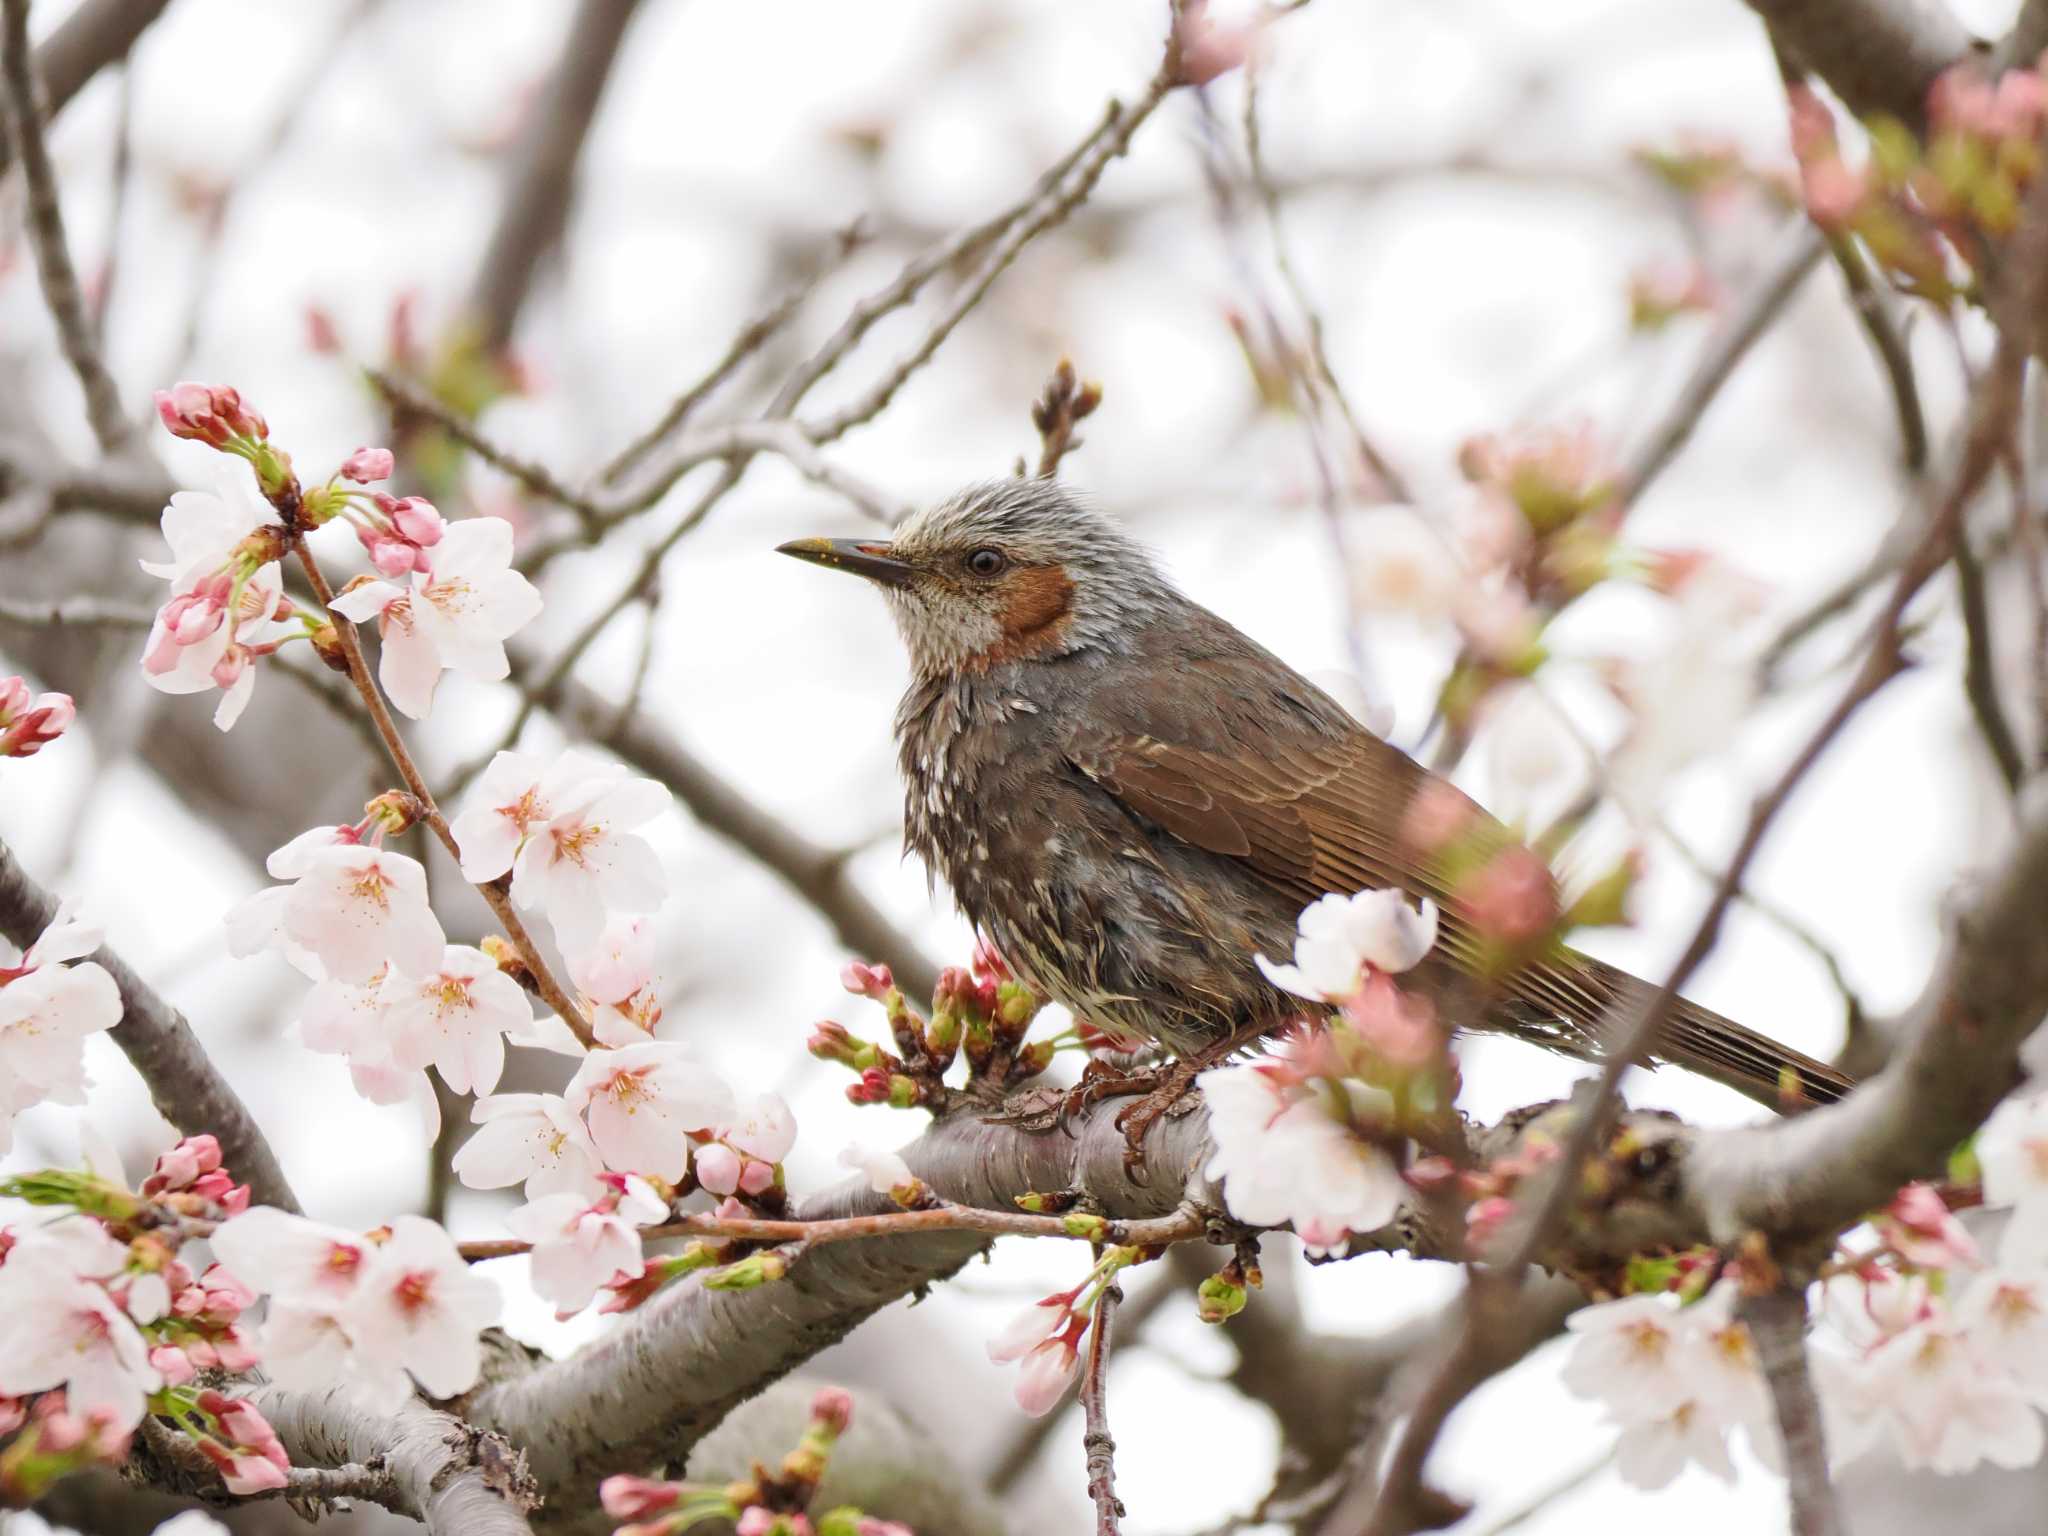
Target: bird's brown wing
{"x": 1241, "y": 757}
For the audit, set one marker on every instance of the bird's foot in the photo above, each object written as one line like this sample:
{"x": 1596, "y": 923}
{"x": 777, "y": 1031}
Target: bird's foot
{"x": 1048, "y": 1109}
{"x": 1171, "y": 1097}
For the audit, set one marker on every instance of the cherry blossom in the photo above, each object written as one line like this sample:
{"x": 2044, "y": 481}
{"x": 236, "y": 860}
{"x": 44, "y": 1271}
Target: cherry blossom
{"x": 417, "y": 1310}
{"x": 1339, "y": 936}
{"x": 28, "y": 725}
{"x": 47, "y": 1008}
{"x": 82, "y": 1341}
{"x": 1402, "y": 565}
{"x": 886, "y": 1172}
{"x": 2012, "y": 1150}
{"x": 532, "y": 1136}
{"x": 580, "y": 1244}
{"x": 1928, "y": 1392}
{"x": 227, "y": 606}
{"x": 615, "y": 975}
{"x": 293, "y": 1259}
{"x": 242, "y": 1447}
{"x": 1046, "y": 1371}
{"x": 743, "y": 1157}
{"x": 1677, "y": 1379}
{"x": 1286, "y": 1153}
{"x": 455, "y": 1018}
{"x": 642, "y": 1101}
{"x": 357, "y": 909}
{"x": 456, "y": 616}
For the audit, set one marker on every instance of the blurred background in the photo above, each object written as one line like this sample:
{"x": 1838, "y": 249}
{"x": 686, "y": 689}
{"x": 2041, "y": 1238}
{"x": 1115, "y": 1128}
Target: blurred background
{"x": 267, "y": 194}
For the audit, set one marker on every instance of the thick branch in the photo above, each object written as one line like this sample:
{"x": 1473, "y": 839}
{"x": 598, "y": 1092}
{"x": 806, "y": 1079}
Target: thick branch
{"x": 183, "y": 1083}
{"x": 647, "y": 1392}
{"x": 455, "y": 1479}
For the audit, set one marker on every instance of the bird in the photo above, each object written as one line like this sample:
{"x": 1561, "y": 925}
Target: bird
{"x": 1131, "y": 799}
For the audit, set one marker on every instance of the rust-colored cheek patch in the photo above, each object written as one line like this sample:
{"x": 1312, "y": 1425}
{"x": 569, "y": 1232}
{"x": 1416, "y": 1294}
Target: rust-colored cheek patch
{"x": 1032, "y": 609}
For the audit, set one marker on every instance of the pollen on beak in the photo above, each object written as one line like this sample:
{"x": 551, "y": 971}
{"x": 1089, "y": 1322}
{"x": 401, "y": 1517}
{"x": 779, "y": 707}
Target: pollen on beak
{"x": 858, "y": 556}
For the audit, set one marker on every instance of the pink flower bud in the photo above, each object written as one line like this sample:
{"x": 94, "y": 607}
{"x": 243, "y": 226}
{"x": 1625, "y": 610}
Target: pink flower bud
{"x": 26, "y": 728}
{"x": 718, "y": 1168}
{"x": 756, "y": 1177}
{"x": 625, "y": 1497}
{"x": 419, "y": 520}
{"x": 393, "y": 557}
{"x": 366, "y": 466}
{"x": 863, "y": 980}
{"x": 754, "y": 1521}
{"x": 832, "y": 1408}
{"x": 873, "y": 1087}
{"x": 1047, "y": 1370}
{"x": 173, "y": 1364}
{"x": 211, "y": 414}
{"x": 1029, "y": 1328}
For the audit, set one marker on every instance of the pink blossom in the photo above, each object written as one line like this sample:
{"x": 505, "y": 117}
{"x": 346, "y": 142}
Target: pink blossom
{"x": 366, "y": 466}
{"x": 418, "y": 1310}
{"x": 47, "y": 1009}
{"x": 247, "y": 1453}
{"x": 1924, "y": 1232}
{"x": 456, "y": 616}
{"x": 580, "y": 1245}
{"x": 863, "y": 980}
{"x": 208, "y": 413}
{"x": 27, "y": 726}
{"x": 359, "y": 908}
{"x": 1046, "y": 1371}
{"x": 615, "y": 973}
{"x": 1028, "y": 1329}
{"x": 642, "y": 1101}
{"x": 81, "y": 1340}
{"x": 626, "y": 1497}
{"x": 718, "y": 1168}
{"x": 532, "y": 1136}
{"x": 455, "y": 1018}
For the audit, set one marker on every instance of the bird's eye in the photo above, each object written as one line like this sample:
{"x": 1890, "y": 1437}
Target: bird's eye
{"x": 987, "y": 562}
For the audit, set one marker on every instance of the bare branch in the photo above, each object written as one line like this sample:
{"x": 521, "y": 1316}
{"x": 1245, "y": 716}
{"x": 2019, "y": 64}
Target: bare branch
{"x": 543, "y": 174}
{"x": 1980, "y": 680}
{"x": 1730, "y": 343}
{"x": 1096, "y": 1440}
{"x": 1777, "y": 1326}
{"x": 46, "y": 235}
{"x": 93, "y": 36}
{"x": 1893, "y": 356}
{"x": 182, "y": 1081}
{"x": 454, "y": 1478}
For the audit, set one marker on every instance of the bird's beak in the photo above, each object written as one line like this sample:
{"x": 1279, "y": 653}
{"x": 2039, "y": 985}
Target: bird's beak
{"x": 859, "y": 556}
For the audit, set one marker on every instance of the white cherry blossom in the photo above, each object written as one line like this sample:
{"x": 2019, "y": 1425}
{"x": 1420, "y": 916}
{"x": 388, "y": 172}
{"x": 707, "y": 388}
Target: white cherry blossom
{"x": 1339, "y": 936}
{"x": 580, "y": 1244}
{"x": 417, "y": 1310}
{"x": 455, "y": 1018}
{"x": 886, "y": 1172}
{"x": 456, "y": 616}
{"x": 532, "y": 1136}
{"x": 80, "y": 1339}
{"x": 47, "y": 1009}
{"x": 642, "y": 1101}
{"x": 2012, "y": 1150}
{"x": 358, "y": 908}
{"x": 1285, "y": 1156}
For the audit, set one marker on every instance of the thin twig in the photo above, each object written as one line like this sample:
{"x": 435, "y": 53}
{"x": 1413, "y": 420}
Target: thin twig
{"x": 1777, "y": 1326}
{"x": 1980, "y": 677}
{"x": 46, "y": 235}
{"x": 495, "y": 892}
{"x": 1095, "y": 1439}
{"x": 1893, "y": 355}
{"x": 1184, "y": 1225}
{"x": 1058, "y": 410}
{"x": 1995, "y": 403}
{"x": 750, "y": 338}
{"x": 1801, "y": 252}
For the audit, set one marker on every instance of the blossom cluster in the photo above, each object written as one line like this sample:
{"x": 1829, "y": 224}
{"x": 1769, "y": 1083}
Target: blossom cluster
{"x": 1921, "y": 1347}
{"x": 1309, "y": 1134}
{"x": 123, "y": 1323}
{"x": 51, "y": 999}
{"x": 1930, "y": 211}
{"x": 765, "y": 1504}
{"x": 1044, "y": 1340}
{"x": 445, "y": 596}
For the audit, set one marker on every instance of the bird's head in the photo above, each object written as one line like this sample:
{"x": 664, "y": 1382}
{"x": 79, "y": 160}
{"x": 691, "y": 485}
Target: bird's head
{"x": 1009, "y": 570}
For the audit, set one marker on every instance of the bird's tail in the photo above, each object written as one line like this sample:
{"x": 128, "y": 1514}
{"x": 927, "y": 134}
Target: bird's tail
{"x": 1701, "y": 1040}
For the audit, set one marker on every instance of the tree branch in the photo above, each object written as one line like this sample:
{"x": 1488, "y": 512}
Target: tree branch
{"x": 1777, "y": 1326}
{"x": 46, "y": 235}
{"x": 454, "y": 1478}
{"x": 544, "y": 170}
{"x": 1096, "y": 1440}
{"x": 89, "y": 39}
{"x": 182, "y": 1081}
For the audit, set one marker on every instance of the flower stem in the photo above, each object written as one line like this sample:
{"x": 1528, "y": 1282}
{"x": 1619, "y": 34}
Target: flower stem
{"x": 496, "y": 892}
